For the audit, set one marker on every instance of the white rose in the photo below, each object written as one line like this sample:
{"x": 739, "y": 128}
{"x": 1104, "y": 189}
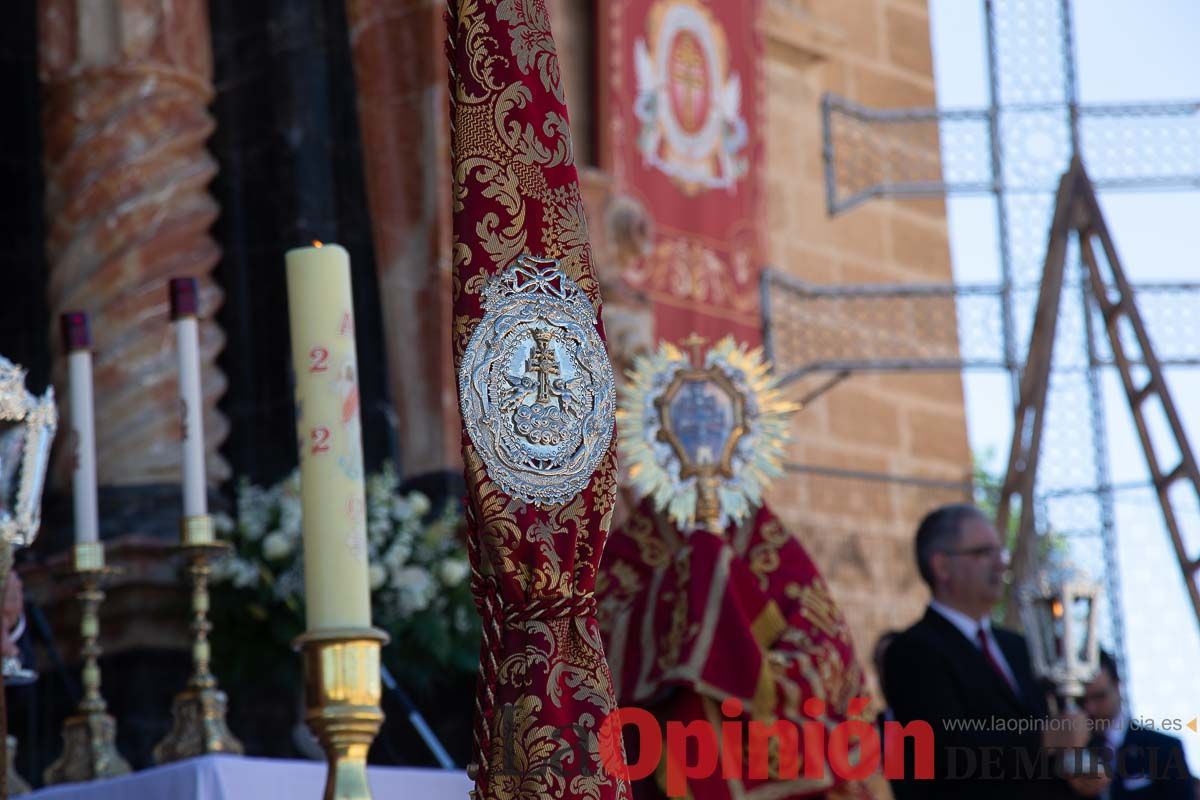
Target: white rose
{"x": 245, "y": 574}
{"x": 453, "y": 571}
{"x": 253, "y": 511}
{"x": 290, "y": 513}
{"x": 377, "y": 575}
{"x": 401, "y": 508}
{"x": 222, "y": 523}
{"x": 419, "y": 504}
{"x": 416, "y": 589}
{"x": 277, "y": 546}
{"x": 397, "y": 555}
{"x": 415, "y": 579}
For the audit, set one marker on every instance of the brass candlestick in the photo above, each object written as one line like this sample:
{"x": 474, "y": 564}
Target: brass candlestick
{"x": 341, "y": 701}
{"x": 89, "y": 749}
{"x": 9, "y": 777}
{"x": 199, "y": 710}
{"x": 15, "y": 783}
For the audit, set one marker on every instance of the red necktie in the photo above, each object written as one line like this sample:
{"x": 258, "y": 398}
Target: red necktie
{"x": 981, "y": 634}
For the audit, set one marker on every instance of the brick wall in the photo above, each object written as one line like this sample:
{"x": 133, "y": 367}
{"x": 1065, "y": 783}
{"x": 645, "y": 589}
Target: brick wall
{"x": 875, "y": 52}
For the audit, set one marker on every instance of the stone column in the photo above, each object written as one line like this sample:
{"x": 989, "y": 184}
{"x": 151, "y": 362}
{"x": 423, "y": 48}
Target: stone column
{"x": 400, "y": 72}
{"x": 126, "y": 86}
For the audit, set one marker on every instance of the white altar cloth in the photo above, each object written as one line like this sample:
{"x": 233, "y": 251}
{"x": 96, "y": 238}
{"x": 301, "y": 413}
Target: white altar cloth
{"x": 224, "y": 777}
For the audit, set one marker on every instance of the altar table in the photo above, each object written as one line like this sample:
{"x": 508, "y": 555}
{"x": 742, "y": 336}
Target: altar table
{"x": 225, "y": 777}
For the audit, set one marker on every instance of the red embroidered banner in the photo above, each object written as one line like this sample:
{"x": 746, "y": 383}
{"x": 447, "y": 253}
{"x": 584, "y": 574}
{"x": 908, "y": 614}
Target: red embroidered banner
{"x": 684, "y": 136}
{"x": 545, "y": 687}
{"x": 692, "y": 621}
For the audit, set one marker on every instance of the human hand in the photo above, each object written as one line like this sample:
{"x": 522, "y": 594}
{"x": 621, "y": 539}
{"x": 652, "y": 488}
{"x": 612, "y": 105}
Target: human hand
{"x": 1066, "y": 732}
{"x": 1089, "y": 785}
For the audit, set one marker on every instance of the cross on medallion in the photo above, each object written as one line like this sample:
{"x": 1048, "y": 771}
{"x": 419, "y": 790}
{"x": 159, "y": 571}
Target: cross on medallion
{"x": 693, "y": 343}
{"x": 543, "y": 361}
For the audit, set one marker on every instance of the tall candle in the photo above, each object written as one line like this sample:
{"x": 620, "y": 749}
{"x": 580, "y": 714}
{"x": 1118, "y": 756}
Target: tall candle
{"x": 78, "y": 342}
{"x": 321, "y": 310}
{"x": 184, "y": 306}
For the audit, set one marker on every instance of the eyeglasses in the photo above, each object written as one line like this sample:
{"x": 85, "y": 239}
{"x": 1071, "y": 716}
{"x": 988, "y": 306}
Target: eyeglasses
{"x": 986, "y": 550}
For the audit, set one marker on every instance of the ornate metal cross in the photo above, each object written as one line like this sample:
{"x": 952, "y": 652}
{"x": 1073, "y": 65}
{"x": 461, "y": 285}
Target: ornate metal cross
{"x": 543, "y": 362}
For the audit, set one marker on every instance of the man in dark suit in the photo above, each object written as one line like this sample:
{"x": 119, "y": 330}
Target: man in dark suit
{"x": 878, "y": 654}
{"x": 1145, "y": 764}
{"x": 973, "y": 683}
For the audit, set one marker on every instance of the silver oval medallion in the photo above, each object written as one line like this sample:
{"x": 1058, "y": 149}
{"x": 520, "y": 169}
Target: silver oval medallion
{"x": 535, "y": 385}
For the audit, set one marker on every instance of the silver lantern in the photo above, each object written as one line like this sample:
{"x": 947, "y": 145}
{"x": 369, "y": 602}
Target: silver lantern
{"x": 1058, "y": 611}
{"x": 27, "y": 426}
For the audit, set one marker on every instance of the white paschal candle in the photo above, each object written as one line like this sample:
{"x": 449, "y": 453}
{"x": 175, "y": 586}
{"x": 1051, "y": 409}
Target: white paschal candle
{"x": 329, "y": 437}
{"x": 78, "y": 342}
{"x": 184, "y": 307}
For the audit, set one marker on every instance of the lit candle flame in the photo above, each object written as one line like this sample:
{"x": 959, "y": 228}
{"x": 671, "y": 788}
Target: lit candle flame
{"x": 317, "y": 243}
{"x": 1057, "y": 608}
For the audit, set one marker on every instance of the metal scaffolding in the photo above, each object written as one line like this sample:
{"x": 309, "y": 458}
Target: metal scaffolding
{"x": 1015, "y": 149}
{"x": 930, "y": 327}
{"x": 922, "y": 152}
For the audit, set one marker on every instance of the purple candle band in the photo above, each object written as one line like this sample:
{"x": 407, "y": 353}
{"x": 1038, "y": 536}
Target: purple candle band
{"x": 75, "y": 331}
{"x": 185, "y": 296}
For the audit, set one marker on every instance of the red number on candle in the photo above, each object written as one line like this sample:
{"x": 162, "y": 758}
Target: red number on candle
{"x": 318, "y": 359}
{"x": 347, "y": 326}
{"x": 320, "y": 439}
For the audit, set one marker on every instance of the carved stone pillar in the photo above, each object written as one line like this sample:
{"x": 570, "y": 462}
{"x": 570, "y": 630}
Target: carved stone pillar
{"x": 400, "y": 72}
{"x": 126, "y": 84}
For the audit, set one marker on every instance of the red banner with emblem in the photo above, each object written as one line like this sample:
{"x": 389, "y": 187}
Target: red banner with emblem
{"x": 683, "y": 135}
{"x": 522, "y": 265}
{"x": 694, "y": 620}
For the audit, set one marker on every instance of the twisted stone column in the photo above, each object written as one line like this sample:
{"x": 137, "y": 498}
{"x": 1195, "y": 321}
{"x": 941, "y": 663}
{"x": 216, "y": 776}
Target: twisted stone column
{"x": 125, "y": 85}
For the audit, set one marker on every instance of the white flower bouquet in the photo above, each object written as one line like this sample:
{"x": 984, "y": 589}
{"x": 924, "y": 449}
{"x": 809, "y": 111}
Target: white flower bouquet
{"x": 419, "y": 574}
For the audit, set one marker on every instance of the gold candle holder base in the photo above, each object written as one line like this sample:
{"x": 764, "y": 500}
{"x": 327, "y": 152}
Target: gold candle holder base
{"x": 89, "y": 737}
{"x": 89, "y": 750}
{"x": 341, "y": 701}
{"x": 16, "y": 784}
{"x": 199, "y": 725}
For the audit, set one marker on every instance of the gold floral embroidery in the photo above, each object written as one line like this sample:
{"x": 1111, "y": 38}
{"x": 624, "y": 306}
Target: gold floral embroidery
{"x": 503, "y": 161}
{"x": 532, "y": 43}
{"x": 818, "y": 607}
{"x": 679, "y": 630}
{"x": 653, "y": 550}
{"x": 764, "y": 558}
{"x": 506, "y": 158}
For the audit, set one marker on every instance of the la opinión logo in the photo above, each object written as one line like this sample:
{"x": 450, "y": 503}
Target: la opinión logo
{"x": 852, "y": 749}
